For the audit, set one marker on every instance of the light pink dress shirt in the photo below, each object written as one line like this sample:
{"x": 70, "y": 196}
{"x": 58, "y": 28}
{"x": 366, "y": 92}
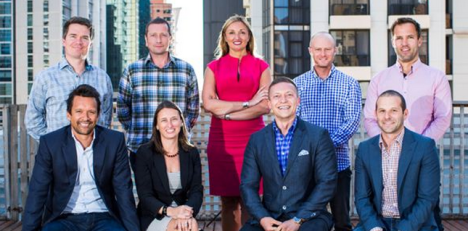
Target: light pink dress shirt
{"x": 427, "y": 94}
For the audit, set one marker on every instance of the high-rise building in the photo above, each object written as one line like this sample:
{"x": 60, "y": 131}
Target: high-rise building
{"x": 122, "y": 44}
{"x": 159, "y": 8}
{"x": 38, "y": 37}
{"x": 362, "y": 31}
{"x": 7, "y": 53}
{"x": 219, "y": 11}
{"x": 144, "y": 16}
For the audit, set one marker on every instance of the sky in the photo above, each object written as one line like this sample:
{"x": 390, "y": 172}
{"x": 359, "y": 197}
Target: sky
{"x": 189, "y": 35}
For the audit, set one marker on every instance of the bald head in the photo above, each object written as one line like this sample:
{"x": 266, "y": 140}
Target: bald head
{"x": 322, "y": 35}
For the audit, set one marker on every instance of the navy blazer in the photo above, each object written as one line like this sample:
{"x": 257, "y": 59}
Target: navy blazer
{"x": 309, "y": 182}
{"x": 55, "y": 173}
{"x": 418, "y": 183}
{"x": 153, "y": 184}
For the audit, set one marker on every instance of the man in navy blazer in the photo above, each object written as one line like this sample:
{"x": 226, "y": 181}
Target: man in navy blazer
{"x": 299, "y": 175}
{"x": 81, "y": 178}
{"x": 397, "y": 173}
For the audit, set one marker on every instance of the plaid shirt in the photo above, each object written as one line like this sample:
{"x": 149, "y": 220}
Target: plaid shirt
{"x": 47, "y": 107}
{"x": 283, "y": 144}
{"x": 144, "y": 86}
{"x": 390, "y": 158}
{"x": 334, "y": 104}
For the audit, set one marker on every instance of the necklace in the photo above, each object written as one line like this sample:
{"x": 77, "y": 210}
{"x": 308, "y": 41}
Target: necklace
{"x": 171, "y": 156}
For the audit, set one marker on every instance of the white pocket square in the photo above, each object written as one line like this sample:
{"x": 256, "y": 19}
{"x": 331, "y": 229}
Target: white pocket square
{"x": 303, "y": 153}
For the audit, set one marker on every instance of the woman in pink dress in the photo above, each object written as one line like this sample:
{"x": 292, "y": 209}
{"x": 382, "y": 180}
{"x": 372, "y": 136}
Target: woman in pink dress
{"x": 235, "y": 91}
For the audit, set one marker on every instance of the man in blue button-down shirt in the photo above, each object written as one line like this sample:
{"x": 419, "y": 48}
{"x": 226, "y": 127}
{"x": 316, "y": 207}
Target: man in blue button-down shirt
{"x": 332, "y": 100}
{"x": 46, "y": 111}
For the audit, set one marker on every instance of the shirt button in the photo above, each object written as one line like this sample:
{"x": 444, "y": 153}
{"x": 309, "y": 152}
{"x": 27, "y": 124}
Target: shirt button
{"x": 284, "y": 207}
{"x": 284, "y": 187}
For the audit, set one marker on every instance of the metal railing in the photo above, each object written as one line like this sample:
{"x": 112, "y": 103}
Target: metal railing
{"x": 17, "y": 159}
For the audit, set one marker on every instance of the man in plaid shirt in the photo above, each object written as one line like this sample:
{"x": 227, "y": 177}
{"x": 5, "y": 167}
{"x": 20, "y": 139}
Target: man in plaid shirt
{"x": 151, "y": 80}
{"x": 332, "y": 100}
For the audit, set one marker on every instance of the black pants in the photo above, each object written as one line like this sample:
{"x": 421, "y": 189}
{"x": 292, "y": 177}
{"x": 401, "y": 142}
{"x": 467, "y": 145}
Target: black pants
{"x": 340, "y": 202}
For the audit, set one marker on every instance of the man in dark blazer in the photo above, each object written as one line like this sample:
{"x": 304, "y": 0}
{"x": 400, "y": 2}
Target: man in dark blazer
{"x": 397, "y": 173}
{"x": 299, "y": 175}
{"x": 81, "y": 178}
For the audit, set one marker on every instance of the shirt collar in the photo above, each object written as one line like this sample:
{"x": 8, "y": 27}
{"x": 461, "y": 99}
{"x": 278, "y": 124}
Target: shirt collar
{"x": 332, "y": 70}
{"x": 64, "y": 63}
{"x": 148, "y": 60}
{"x": 77, "y": 141}
{"x": 398, "y": 140}
{"x": 414, "y": 67}
{"x": 291, "y": 129}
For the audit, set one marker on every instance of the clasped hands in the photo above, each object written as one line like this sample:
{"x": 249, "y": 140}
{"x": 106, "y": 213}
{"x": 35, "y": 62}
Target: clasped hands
{"x": 270, "y": 224}
{"x": 182, "y": 216}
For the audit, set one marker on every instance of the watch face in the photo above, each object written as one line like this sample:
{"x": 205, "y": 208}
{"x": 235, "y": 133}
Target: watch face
{"x": 297, "y": 220}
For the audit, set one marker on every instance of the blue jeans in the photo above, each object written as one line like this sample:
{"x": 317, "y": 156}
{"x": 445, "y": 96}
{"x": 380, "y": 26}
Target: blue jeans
{"x": 84, "y": 222}
{"x": 390, "y": 225}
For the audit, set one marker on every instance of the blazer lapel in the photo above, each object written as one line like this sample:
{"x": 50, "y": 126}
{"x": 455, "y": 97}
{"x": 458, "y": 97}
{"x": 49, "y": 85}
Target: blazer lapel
{"x": 69, "y": 156}
{"x": 405, "y": 157}
{"x": 184, "y": 166}
{"x": 271, "y": 152}
{"x": 295, "y": 146}
{"x": 99, "y": 154}
{"x": 161, "y": 170}
{"x": 375, "y": 162}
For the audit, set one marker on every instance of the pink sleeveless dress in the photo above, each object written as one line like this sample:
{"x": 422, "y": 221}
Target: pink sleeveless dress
{"x": 228, "y": 138}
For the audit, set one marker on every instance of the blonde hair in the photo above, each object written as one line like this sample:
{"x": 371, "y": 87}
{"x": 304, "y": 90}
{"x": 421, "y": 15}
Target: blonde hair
{"x": 223, "y": 49}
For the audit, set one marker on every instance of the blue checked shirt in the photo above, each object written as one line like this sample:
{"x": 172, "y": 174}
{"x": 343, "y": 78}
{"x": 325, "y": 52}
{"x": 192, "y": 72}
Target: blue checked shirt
{"x": 47, "y": 107}
{"x": 283, "y": 144}
{"x": 334, "y": 104}
{"x": 144, "y": 86}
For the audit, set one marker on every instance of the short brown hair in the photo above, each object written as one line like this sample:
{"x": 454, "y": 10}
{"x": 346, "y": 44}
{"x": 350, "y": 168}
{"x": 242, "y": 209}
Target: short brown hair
{"x": 401, "y": 21}
{"x": 78, "y": 20}
{"x": 158, "y": 20}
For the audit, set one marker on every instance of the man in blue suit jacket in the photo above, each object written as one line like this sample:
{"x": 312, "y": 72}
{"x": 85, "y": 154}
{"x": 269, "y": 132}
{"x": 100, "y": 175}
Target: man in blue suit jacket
{"x": 81, "y": 178}
{"x": 397, "y": 173}
{"x": 299, "y": 176}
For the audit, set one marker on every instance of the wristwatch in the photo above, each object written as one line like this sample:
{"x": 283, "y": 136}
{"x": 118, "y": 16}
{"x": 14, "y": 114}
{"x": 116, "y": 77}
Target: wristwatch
{"x": 245, "y": 104}
{"x": 164, "y": 211}
{"x": 227, "y": 117}
{"x": 298, "y": 221}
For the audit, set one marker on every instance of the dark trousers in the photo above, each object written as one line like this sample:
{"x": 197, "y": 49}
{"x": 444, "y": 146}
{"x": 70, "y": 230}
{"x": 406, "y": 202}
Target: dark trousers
{"x": 340, "y": 202}
{"x": 438, "y": 216}
{"x": 84, "y": 222}
{"x": 316, "y": 224}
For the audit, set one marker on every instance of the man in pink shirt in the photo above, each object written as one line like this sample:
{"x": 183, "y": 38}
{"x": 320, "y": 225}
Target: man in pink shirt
{"x": 426, "y": 89}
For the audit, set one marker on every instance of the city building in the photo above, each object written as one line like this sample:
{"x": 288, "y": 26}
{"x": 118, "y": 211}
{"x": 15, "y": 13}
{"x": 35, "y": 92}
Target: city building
{"x": 122, "y": 44}
{"x": 37, "y": 35}
{"x": 7, "y": 62}
{"x": 362, "y": 31}
{"x": 219, "y": 11}
{"x": 161, "y": 9}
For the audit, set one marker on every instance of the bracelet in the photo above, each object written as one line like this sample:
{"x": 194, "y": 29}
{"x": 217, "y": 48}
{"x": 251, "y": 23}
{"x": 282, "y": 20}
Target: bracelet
{"x": 227, "y": 117}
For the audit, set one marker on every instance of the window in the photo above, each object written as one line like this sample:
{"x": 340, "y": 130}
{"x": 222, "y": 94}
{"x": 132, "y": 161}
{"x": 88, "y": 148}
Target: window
{"x": 46, "y": 33}
{"x": 5, "y": 62}
{"x": 423, "y": 50}
{"x": 30, "y": 74}
{"x": 5, "y": 8}
{"x": 30, "y": 61}
{"x": 5, "y": 21}
{"x": 448, "y": 13}
{"x": 46, "y": 19}
{"x": 448, "y": 54}
{"x": 5, "y": 75}
{"x": 30, "y": 47}
{"x": 46, "y": 47}
{"x": 291, "y": 56}
{"x": 30, "y": 34}
{"x": 405, "y": 7}
{"x": 349, "y": 7}
{"x": 30, "y": 20}
{"x": 293, "y": 12}
{"x": 46, "y": 6}
{"x": 46, "y": 60}
{"x": 5, "y": 48}
{"x": 353, "y": 47}
{"x": 5, "y": 35}
{"x": 5, "y": 89}
{"x": 30, "y": 6}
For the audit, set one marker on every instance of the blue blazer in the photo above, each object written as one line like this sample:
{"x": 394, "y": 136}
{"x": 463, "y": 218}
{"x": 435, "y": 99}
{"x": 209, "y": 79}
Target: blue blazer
{"x": 152, "y": 183}
{"x": 418, "y": 183}
{"x": 55, "y": 172}
{"x": 309, "y": 182}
